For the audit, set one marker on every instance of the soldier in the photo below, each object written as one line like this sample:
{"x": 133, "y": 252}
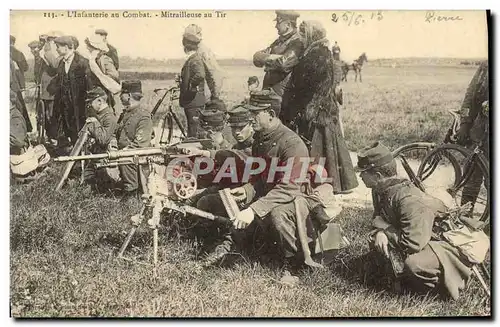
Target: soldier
{"x": 212, "y": 121}
{"x": 101, "y": 126}
{"x": 253, "y": 83}
{"x": 134, "y": 130}
{"x": 403, "y": 220}
{"x": 474, "y": 127}
{"x": 112, "y": 52}
{"x": 18, "y": 130}
{"x": 192, "y": 84}
{"x": 269, "y": 200}
{"x": 70, "y": 87}
{"x": 20, "y": 60}
{"x": 46, "y": 62}
{"x": 241, "y": 127}
{"x": 213, "y": 72}
{"x": 18, "y": 66}
{"x": 283, "y": 54}
{"x": 336, "y": 51}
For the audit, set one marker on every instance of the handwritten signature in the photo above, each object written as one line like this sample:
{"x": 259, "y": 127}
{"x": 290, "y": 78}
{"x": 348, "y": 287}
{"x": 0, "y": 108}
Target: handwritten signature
{"x": 430, "y": 16}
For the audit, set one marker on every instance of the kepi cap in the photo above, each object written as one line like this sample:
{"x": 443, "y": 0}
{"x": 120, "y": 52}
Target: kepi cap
{"x": 212, "y": 118}
{"x": 373, "y": 156}
{"x": 253, "y": 79}
{"x": 238, "y": 116}
{"x": 261, "y": 100}
{"x": 95, "y": 93}
{"x": 286, "y": 15}
{"x": 132, "y": 86}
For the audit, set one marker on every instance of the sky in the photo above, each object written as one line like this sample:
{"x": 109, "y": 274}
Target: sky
{"x": 241, "y": 33}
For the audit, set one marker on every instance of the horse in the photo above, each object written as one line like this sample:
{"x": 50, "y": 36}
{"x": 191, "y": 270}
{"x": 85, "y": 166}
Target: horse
{"x": 356, "y": 66}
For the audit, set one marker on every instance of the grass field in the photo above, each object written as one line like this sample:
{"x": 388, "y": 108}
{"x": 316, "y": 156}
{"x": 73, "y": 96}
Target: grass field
{"x": 63, "y": 246}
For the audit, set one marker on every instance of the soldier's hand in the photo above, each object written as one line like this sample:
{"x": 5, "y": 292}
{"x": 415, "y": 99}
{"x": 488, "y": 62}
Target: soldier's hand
{"x": 382, "y": 243}
{"x": 239, "y": 194}
{"x": 244, "y": 218}
{"x": 91, "y": 120}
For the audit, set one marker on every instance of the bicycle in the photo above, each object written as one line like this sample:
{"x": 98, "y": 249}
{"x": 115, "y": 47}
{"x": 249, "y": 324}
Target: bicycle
{"x": 465, "y": 163}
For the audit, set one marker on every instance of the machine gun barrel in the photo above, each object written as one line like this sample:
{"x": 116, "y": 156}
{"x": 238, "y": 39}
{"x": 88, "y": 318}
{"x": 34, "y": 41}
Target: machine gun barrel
{"x": 111, "y": 155}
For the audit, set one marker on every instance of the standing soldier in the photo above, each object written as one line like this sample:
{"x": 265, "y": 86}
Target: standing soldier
{"x": 336, "y": 51}
{"x": 134, "y": 131}
{"x": 101, "y": 126}
{"x": 20, "y": 60}
{"x": 18, "y": 130}
{"x": 112, "y": 52}
{"x": 192, "y": 84}
{"x": 474, "y": 128}
{"x": 70, "y": 87}
{"x": 283, "y": 54}
{"x": 46, "y": 62}
{"x": 213, "y": 72}
{"x": 18, "y": 66}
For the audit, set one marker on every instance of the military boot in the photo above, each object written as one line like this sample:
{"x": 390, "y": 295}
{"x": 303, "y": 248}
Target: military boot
{"x": 220, "y": 252}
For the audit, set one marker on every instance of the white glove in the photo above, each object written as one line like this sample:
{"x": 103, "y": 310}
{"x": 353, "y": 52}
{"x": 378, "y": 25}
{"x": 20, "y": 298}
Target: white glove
{"x": 244, "y": 218}
{"x": 91, "y": 120}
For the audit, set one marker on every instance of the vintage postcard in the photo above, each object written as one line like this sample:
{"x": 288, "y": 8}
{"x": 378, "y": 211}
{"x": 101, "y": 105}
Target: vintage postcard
{"x": 251, "y": 163}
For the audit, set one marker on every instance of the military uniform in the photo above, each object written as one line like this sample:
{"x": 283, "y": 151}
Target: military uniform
{"x": 408, "y": 217}
{"x": 18, "y": 130}
{"x": 213, "y": 75}
{"x": 45, "y": 71}
{"x": 336, "y": 52}
{"x": 280, "y": 57}
{"x": 134, "y": 131}
{"x": 101, "y": 131}
{"x": 475, "y": 126}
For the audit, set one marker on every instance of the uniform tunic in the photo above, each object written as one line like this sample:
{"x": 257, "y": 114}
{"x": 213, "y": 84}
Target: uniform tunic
{"x": 290, "y": 48}
{"x": 134, "y": 131}
{"x": 410, "y": 214}
{"x": 102, "y": 132}
{"x": 18, "y": 131}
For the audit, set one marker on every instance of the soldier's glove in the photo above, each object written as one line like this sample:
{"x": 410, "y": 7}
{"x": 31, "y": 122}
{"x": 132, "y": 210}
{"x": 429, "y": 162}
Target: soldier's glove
{"x": 239, "y": 193}
{"x": 244, "y": 218}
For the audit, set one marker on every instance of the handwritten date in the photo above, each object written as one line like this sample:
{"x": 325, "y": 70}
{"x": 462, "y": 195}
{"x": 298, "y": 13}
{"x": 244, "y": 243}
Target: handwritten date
{"x": 356, "y": 18}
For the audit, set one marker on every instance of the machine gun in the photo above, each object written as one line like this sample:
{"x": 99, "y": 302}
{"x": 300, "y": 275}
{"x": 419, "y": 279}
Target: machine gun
{"x": 163, "y": 192}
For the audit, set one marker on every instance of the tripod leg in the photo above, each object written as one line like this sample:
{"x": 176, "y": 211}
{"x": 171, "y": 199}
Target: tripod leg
{"x": 127, "y": 241}
{"x": 178, "y": 123}
{"x": 155, "y": 250}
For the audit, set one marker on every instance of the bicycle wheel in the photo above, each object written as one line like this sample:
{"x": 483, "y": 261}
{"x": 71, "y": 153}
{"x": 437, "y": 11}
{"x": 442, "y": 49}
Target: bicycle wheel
{"x": 463, "y": 175}
{"x": 409, "y": 158}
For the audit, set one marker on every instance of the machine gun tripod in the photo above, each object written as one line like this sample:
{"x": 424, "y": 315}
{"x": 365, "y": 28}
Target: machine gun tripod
{"x": 163, "y": 190}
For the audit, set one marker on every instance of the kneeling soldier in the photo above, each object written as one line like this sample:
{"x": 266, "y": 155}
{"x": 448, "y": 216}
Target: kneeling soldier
{"x": 134, "y": 131}
{"x": 101, "y": 126}
{"x": 403, "y": 221}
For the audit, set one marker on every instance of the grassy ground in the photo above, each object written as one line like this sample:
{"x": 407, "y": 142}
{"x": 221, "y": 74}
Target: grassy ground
{"x": 63, "y": 246}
